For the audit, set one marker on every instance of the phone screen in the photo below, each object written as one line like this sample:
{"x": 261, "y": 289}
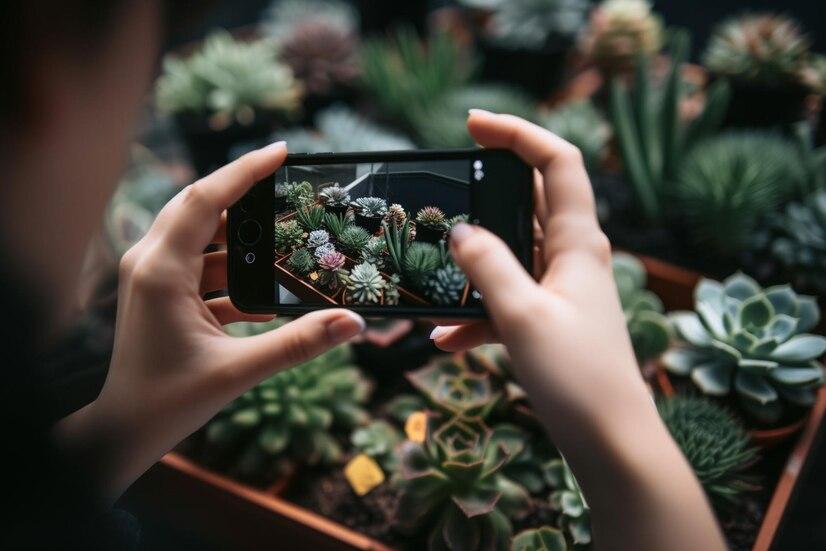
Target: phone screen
{"x": 370, "y": 231}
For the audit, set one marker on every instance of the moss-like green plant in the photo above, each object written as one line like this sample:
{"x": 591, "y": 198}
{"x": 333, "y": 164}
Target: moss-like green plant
{"x": 317, "y": 238}
{"x": 397, "y": 239}
{"x": 651, "y": 136}
{"x": 761, "y": 47}
{"x": 335, "y": 196}
{"x": 300, "y": 194}
{"x": 648, "y": 327}
{"x": 582, "y": 125}
{"x": 288, "y": 236}
{"x": 310, "y": 217}
{"x": 291, "y": 417}
{"x": 452, "y": 485}
{"x": 337, "y": 223}
{"x": 567, "y": 498}
{"x": 375, "y": 251}
{"x": 751, "y": 341}
{"x": 419, "y": 262}
{"x": 353, "y": 239}
{"x": 546, "y": 538}
{"x": 331, "y": 272}
{"x": 729, "y": 182}
{"x": 371, "y": 207}
{"x": 445, "y": 285}
{"x": 301, "y": 261}
{"x": 365, "y": 284}
{"x": 228, "y": 77}
{"x": 378, "y": 440}
{"x": 714, "y": 442}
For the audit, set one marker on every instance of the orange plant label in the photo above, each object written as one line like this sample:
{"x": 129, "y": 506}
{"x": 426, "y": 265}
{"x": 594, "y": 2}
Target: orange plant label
{"x": 416, "y": 426}
{"x": 363, "y": 474}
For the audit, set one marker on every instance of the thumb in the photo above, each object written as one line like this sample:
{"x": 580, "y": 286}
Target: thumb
{"x": 296, "y": 342}
{"x": 492, "y": 268}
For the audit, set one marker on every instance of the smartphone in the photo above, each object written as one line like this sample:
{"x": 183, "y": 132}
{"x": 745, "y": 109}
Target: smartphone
{"x": 370, "y": 231}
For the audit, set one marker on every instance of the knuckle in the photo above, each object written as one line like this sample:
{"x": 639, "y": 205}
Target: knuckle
{"x": 193, "y": 197}
{"x": 570, "y": 153}
{"x": 600, "y": 246}
{"x": 127, "y": 262}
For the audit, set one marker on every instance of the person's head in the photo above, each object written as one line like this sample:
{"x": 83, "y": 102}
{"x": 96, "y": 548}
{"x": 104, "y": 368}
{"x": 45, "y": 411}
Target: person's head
{"x": 75, "y": 75}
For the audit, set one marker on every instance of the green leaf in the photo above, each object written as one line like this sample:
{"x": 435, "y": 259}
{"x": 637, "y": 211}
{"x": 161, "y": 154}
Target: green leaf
{"x": 681, "y": 360}
{"x": 782, "y": 327}
{"x": 740, "y": 286}
{"x": 571, "y": 504}
{"x": 755, "y": 311}
{"x": 580, "y": 530}
{"x": 808, "y": 313}
{"x": 477, "y": 501}
{"x": 515, "y": 501}
{"x": 709, "y": 291}
{"x": 784, "y": 299}
{"x": 756, "y": 367}
{"x": 248, "y": 417}
{"x": 801, "y": 348}
{"x": 688, "y": 326}
{"x": 712, "y": 317}
{"x": 539, "y": 539}
{"x": 510, "y": 438}
{"x": 460, "y": 532}
{"x": 713, "y": 378}
{"x": 797, "y": 376}
{"x": 755, "y": 388}
{"x": 274, "y": 438}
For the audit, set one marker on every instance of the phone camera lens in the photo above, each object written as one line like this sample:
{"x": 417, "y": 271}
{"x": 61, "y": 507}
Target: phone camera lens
{"x": 249, "y": 258}
{"x": 249, "y": 232}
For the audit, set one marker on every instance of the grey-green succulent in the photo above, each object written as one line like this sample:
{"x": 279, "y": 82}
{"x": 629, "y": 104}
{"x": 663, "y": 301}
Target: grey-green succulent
{"x": 365, "y": 284}
{"x": 420, "y": 261}
{"x": 371, "y": 207}
{"x": 445, "y": 285}
{"x": 353, "y": 239}
{"x": 317, "y": 238}
{"x": 534, "y": 23}
{"x": 301, "y": 261}
{"x": 391, "y": 290}
{"x": 335, "y": 196}
{"x": 751, "y": 341}
{"x": 324, "y": 250}
{"x": 567, "y": 498}
{"x": 375, "y": 252}
{"x": 378, "y": 440}
{"x": 288, "y": 236}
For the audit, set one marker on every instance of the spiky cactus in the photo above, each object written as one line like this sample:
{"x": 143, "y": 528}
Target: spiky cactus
{"x": 317, "y": 238}
{"x": 331, "y": 272}
{"x": 365, "y": 284}
{"x": 567, "y": 498}
{"x": 432, "y": 217}
{"x": 311, "y": 217}
{"x": 322, "y": 56}
{"x": 395, "y": 215}
{"x": 751, "y": 341}
{"x": 288, "y": 236}
{"x": 301, "y": 261}
{"x": 371, "y": 207}
{"x": 420, "y": 261}
{"x": 353, "y": 239}
{"x": 292, "y": 417}
{"x": 444, "y": 286}
{"x": 714, "y": 442}
{"x": 335, "y": 196}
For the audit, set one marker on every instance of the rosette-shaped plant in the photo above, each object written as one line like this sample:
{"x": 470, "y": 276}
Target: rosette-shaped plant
{"x": 391, "y": 291}
{"x": 322, "y": 56}
{"x": 452, "y": 388}
{"x": 714, "y": 442}
{"x": 365, "y": 284}
{"x": 567, "y": 498}
{"x": 444, "y": 286}
{"x": 374, "y": 252}
{"x": 532, "y": 23}
{"x": 301, "y": 261}
{"x": 335, "y": 196}
{"x": 331, "y": 272}
{"x": 300, "y": 194}
{"x": 395, "y": 215}
{"x": 318, "y": 238}
{"x": 310, "y": 217}
{"x": 646, "y": 323}
{"x": 454, "y": 484}
{"x": 288, "y": 236}
{"x": 290, "y": 417}
{"x": 353, "y": 239}
{"x": 432, "y": 217}
{"x": 752, "y": 341}
{"x": 371, "y": 207}
{"x": 324, "y": 250}
{"x": 337, "y": 223}
{"x": 420, "y": 260}
{"x": 378, "y": 440}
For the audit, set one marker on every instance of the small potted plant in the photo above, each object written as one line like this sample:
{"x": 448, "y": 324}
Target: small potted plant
{"x": 445, "y": 286}
{"x": 331, "y": 273}
{"x": 420, "y": 261}
{"x": 301, "y": 262}
{"x": 317, "y": 238}
{"x": 364, "y": 285}
{"x": 311, "y": 217}
{"x": 430, "y": 225}
{"x": 353, "y": 239}
{"x": 300, "y": 195}
{"x": 370, "y": 212}
{"x": 288, "y": 236}
{"x": 335, "y": 199}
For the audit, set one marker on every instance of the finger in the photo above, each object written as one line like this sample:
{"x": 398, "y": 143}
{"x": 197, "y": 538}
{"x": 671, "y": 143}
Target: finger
{"x": 214, "y": 275}
{"x": 191, "y": 219}
{"x": 540, "y": 203}
{"x": 298, "y": 341}
{"x": 225, "y": 312}
{"x": 220, "y": 237}
{"x": 463, "y": 337}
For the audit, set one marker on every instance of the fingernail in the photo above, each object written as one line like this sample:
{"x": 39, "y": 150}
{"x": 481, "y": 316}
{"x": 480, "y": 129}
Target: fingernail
{"x": 437, "y": 332}
{"x": 345, "y": 327}
{"x": 476, "y": 111}
{"x": 276, "y": 145}
{"x": 460, "y": 232}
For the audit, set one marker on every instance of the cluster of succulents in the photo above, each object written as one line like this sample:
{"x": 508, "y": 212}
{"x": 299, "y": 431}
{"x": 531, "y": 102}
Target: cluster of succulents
{"x": 532, "y": 23}
{"x": 335, "y": 196}
{"x": 581, "y": 124}
{"x": 444, "y": 285}
{"x": 288, "y": 236}
{"x": 370, "y": 207}
{"x": 228, "y": 78}
{"x": 300, "y": 194}
{"x": 567, "y": 498}
{"x": 753, "y": 342}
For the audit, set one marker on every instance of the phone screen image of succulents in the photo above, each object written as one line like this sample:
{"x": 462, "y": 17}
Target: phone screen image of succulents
{"x": 371, "y": 234}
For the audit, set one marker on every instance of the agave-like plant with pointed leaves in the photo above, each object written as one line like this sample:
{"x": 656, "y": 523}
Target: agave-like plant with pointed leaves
{"x": 753, "y": 341}
{"x": 335, "y": 196}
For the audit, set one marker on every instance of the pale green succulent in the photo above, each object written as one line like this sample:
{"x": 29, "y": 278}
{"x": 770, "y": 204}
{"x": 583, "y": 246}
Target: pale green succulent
{"x": 567, "y": 498}
{"x": 281, "y": 18}
{"x": 371, "y": 207}
{"x": 378, "y": 440}
{"x": 582, "y": 125}
{"x": 533, "y": 23}
{"x": 288, "y": 236}
{"x": 375, "y": 252}
{"x": 391, "y": 290}
{"x": 317, "y": 238}
{"x": 752, "y": 341}
{"x": 324, "y": 250}
{"x": 335, "y": 196}
{"x": 546, "y": 538}
{"x": 365, "y": 284}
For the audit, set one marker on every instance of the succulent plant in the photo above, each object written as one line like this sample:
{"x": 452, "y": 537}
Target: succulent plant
{"x": 322, "y": 56}
{"x": 331, "y": 272}
{"x": 374, "y": 252}
{"x": 814, "y": 74}
{"x": 458, "y": 219}
{"x": 280, "y": 19}
{"x": 546, "y": 538}
{"x": 318, "y": 238}
{"x": 371, "y": 207}
{"x": 301, "y": 261}
{"x": 337, "y": 223}
{"x": 752, "y": 341}
{"x": 397, "y": 238}
{"x": 567, "y": 498}
{"x": 229, "y": 78}
{"x": 354, "y": 239}
{"x": 618, "y": 32}
{"x": 534, "y": 23}
{"x": 395, "y": 215}
{"x": 300, "y": 194}
{"x": 651, "y": 136}
{"x": 365, "y": 284}
{"x": 391, "y": 290}
{"x": 643, "y": 310}
{"x": 335, "y": 196}
{"x": 716, "y": 445}
{"x": 796, "y": 240}
{"x": 323, "y": 250}
{"x": 582, "y": 125}
{"x": 444, "y": 286}
{"x": 420, "y": 261}
{"x": 453, "y": 485}
{"x": 432, "y": 217}
{"x": 452, "y": 388}
{"x": 288, "y": 236}
{"x": 311, "y": 217}
{"x": 378, "y": 440}
{"x": 727, "y": 183}
{"x": 444, "y": 121}
{"x": 759, "y": 47}
{"x": 406, "y": 76}
{"x": 291, "y": 417}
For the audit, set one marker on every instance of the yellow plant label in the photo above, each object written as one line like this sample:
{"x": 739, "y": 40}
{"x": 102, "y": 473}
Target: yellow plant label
{"x": 313, "y": 276}
{"x": 416, "y": 426}
{"x": 363, "y": 474}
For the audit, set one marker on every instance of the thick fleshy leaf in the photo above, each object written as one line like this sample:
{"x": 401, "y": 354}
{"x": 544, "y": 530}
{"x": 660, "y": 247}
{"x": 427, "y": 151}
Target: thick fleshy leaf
{"x": 515, "y": 501}
{"x": 650, "y": 335}
{"x": 763, "y": 347}
{"x": 681, "y": 360}
{"x": 554, "y": 472}
{"x": 783, "y": 299}
{"x": 402, "y": 406}
{"x": 713, "y": 378}
{"x": 464, "y": 472}
{"x": 510, "y": 437}
{"x": 477, "y": 501}
{"x": 708, "y": 290}
{"x": 740, "y": 286}
{"x": 782, "y": 327}
{"x": 540, "y": 539}
{"x": 274, "y": 438}
{"x": 755, "y": 311}
{"x": 797, "y": 376}
{"x": 417, "y": 502}
{"x": 808, "y": 313}
{"x": 571, "y": 504}
{"x": 580, "y": 530}
{"x": 727, "y": 352}
{"x": 688, "y": 326}
{"x": 743, "y": 340}
{"x": 801, "y": 348}
{"x": 496, "y": 531}
{"x": 755, "y": 388}
{"x": 414, "y": 459}
{"x": 756, "y": 367}
{"x": 712, "y": 318}
{"x": 460, "y": 532}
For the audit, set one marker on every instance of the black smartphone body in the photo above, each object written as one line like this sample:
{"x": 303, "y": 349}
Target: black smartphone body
{"x": 370, "y": 231}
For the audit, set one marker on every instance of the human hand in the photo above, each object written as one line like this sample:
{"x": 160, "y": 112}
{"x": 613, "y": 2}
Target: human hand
{"x": 173, "y": 367}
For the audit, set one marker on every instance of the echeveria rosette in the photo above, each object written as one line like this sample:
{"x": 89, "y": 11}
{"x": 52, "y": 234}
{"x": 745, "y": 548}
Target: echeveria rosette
{"x": 567, "y": 498}
{"x": 752, "y": 341}
{"x": 452, "y": 388}
{"x": 453, "y": 484}
{"x": 643, "y": 310}
{"x": 545, "y": 538}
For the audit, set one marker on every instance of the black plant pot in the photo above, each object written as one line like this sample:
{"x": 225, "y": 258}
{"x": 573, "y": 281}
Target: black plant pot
{"x": 378, "y": 17}
{"x": 338, "y": 210}
{"x": 209, "y": 149}
{"x": 754, "y": 105}
{"x": 537, "y": 71}
{"x": 369, "y": 223}
{"x": 429, "y": 234}
{"x": 280, "y": 203}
